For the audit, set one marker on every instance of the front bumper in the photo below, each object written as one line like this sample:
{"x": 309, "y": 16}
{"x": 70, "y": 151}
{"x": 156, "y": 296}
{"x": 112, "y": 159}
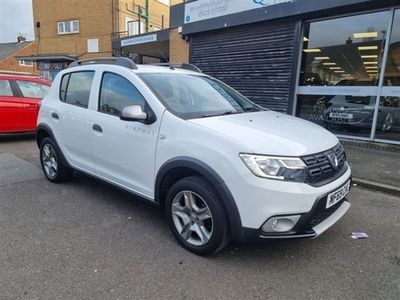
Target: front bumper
{"x": 259, "y": 199}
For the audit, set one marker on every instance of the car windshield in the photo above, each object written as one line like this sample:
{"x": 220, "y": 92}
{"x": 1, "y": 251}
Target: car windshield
{"x": 194, "y": 96}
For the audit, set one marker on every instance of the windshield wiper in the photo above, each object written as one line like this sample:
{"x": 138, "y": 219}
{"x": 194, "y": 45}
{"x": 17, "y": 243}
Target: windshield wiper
{"x": 253, "y": 109}
{"x": 228, "y": 112}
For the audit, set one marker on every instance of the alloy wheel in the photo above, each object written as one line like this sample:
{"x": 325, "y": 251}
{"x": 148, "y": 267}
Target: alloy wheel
{"x": 192, "y": 218}
{"x": 387, "y": 123}
{"x": 49, "y": 161}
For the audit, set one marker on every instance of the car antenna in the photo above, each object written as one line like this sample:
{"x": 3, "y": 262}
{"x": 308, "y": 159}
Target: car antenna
{"x": 167, "y": 60}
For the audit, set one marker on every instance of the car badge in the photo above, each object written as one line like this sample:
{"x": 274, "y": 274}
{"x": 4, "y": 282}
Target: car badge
{"x": 333, "y": 160}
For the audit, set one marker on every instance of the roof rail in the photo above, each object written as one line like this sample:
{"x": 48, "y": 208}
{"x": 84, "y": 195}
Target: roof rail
{"x": 185, "y": 66}
{"x": 119, "y": 61}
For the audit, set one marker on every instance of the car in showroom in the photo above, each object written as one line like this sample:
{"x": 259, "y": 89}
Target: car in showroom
{"x": 221, "y": 167}
{"x": 355, "y": 113}
{"x": 20, "y": 97}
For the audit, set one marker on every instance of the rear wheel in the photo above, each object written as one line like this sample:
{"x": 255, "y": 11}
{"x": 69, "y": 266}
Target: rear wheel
{"x": 387, "y": 123}
{"x": 50, "y": 159}
{"x": 196, "y": 216}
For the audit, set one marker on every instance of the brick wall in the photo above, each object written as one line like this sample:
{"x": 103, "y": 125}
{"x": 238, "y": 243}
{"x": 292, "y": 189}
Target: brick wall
{"x": 12, "y": 64}
{"x": 158, "y": 14}
{"x": 178, "y": 48}
{"x": 95, "y": 22}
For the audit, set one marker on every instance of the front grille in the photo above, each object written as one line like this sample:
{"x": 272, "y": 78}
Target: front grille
{"x": 321, "y": 214}
{"x": 321, "y": 166}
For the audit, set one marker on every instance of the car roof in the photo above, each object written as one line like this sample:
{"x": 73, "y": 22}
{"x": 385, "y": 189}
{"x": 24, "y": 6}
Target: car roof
{"x": 23, "y": 77}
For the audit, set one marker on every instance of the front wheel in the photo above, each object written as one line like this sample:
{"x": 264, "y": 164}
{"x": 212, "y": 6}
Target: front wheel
{"x": 196, "y": 216}
{"x": 50, "y": 159}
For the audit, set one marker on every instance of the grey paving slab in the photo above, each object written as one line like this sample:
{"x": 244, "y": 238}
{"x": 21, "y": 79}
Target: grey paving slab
{"x": 374, "y": 165}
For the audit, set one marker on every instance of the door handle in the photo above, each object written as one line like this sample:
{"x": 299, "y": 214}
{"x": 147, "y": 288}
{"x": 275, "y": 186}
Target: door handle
{"x": 55, "y": 116}
{"x": 97, "y": 128}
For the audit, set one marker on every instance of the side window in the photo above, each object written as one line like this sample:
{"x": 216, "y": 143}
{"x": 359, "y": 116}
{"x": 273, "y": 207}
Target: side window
{"x": 5, "y": 88}
{"x": 63, "y": 87}
{"x": 75, "y": 88}
{"x": 33, "y": 89}
{"x": 116, "y": 93}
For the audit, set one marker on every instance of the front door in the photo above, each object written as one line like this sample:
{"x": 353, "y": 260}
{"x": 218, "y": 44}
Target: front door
{"x": 124, "y": 151}
{"x": 10, "y": 109}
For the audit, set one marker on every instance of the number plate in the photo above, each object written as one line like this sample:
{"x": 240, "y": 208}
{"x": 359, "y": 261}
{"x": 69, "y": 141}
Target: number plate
{"x": 338, "y": 195}
{"x": 335, "y": 115}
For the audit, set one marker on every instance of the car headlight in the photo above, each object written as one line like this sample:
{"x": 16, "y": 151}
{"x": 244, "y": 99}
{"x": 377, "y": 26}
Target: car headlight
{"x": 279, "y": 168}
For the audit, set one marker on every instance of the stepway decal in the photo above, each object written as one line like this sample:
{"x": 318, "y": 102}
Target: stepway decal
{"x": 207, "y": 9}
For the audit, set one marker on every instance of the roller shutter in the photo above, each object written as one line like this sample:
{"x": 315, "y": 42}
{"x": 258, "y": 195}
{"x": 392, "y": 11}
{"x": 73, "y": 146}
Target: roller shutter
{"x": 255, "y": 59}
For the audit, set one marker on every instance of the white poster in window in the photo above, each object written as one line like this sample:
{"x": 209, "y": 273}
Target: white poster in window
{"x": 93, "y": 45}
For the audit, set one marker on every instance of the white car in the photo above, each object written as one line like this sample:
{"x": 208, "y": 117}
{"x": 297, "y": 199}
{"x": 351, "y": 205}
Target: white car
{"x": 220, "y": 166}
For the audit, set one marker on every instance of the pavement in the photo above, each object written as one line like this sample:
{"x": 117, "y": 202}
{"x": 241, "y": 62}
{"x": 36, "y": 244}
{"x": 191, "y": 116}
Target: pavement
{"x": 375, "y": 168}
{"x": 87, "y": 240}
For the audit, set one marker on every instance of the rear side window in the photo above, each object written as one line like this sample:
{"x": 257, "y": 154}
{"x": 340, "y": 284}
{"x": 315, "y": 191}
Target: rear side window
{"x": 116, "y": 93}
{"x": 33, "y": 89}
{"x": 5, "y": 88}
{"x": 75, "y": 88}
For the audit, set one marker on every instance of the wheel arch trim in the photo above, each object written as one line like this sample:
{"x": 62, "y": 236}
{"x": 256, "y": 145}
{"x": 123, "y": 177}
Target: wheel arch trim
{"x": 47, "y": 129}
{"x": 212, "y": 176}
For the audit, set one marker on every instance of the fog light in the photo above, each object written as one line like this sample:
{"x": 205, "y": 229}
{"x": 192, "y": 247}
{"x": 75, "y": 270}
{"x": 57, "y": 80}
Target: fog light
{"x": 280, "y": 224}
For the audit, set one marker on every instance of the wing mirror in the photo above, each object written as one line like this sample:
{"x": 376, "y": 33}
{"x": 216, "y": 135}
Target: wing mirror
{"x": 133, "y": 113}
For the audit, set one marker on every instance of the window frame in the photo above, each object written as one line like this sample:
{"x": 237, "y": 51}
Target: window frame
{"x": 146, "y": 108}
{"x": 71, "y": 26}
{"x": 66, "y": 90}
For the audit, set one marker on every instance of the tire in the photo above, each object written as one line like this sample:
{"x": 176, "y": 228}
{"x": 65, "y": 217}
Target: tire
{"x": 51, "y": 162}
{"x": 192, "y": 206}
{"x": 387, "y": 123}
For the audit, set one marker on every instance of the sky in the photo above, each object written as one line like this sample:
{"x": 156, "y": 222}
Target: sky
{"x": 15, "y": 18}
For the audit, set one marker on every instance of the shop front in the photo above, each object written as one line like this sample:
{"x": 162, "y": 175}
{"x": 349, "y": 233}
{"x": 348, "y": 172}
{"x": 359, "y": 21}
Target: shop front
{"x": 335, "y": 63}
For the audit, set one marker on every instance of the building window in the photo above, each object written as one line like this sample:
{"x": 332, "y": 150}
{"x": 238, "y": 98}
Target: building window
{"x": 341, "y": 75}
{"x": 165, "y": 2}
{"x": 133, "y": 27}
{"x": 68, "y": 27}
{"x": 25, "y": 63}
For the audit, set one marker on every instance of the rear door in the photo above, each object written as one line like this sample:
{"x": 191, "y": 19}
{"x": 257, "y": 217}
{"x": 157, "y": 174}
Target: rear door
{"x": 10, "y": 108}
{"x": 31, "y": 95}
{"x": 71, "y": 118}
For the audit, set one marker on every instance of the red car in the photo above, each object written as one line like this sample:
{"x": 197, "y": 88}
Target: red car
{"x": 20, "y": 98}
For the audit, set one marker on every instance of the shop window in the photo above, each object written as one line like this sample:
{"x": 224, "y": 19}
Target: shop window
{"x": 342, "y": 61}
{"x": 68, "y": 27}
{"x": 344, "y": 51}
{"x": 341, "y": 114}
{"x": 388, "y": 119}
